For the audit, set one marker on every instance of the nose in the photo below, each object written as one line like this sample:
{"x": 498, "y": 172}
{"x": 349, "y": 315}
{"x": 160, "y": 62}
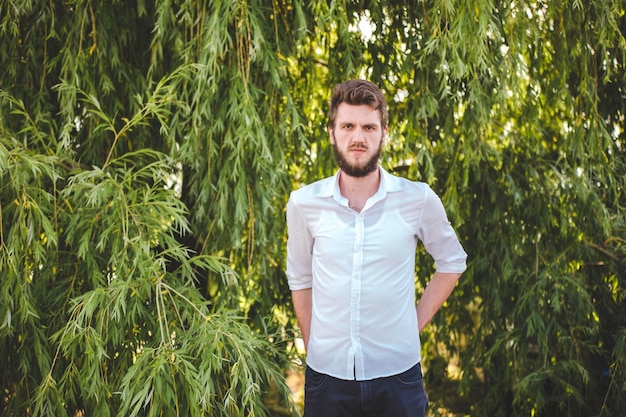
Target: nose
{"x": 359, "y": 135}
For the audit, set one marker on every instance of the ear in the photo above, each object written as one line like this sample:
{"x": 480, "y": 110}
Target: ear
{"x": 331, "y": 133}
{"x": 385, "y": 131}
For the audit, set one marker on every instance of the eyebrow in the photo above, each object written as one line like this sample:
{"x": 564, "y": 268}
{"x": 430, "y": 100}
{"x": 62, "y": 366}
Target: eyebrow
{"x": 347, "y": 123}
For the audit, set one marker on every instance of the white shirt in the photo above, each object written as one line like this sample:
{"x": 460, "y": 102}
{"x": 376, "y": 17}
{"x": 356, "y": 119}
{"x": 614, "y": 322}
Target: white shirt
{"x": 360, "y": 266}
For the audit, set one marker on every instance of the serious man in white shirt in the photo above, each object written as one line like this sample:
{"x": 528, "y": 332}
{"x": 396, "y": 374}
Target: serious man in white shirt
{"x": 351, "y": 248}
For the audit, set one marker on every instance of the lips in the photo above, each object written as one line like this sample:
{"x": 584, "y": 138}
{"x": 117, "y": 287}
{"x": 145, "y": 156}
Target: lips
{"x": 358, "y": 149}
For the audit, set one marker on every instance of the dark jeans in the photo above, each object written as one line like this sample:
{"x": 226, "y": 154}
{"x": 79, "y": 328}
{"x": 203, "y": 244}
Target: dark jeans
{"x": 401, "y": 395}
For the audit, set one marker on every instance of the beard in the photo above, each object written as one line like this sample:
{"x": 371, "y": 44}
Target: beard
{"x": 357, "y": 170}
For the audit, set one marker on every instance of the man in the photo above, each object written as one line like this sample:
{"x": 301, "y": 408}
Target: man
{"x": 350, "y": 267}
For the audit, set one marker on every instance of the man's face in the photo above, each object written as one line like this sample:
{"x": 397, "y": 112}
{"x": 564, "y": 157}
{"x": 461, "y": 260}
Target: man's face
{"x": 357, "y": 139}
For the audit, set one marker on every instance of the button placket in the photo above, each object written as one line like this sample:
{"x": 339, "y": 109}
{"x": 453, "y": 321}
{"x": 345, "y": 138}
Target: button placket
{"x": 355, "y": 295}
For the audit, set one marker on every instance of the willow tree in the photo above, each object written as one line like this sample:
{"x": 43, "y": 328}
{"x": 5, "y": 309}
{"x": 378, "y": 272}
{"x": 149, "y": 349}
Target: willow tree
{"x": 141, "y": 151}
{"x": 147, "y": 149}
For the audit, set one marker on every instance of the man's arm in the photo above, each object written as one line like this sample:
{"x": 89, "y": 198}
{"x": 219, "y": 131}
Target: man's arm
{"x": 302, "y": 305}
{"x": 436, "y": 293}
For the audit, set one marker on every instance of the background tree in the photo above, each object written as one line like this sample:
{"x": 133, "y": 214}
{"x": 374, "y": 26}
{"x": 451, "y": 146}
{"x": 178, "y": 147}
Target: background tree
{"x": 121, "y": 294}
{"x": 147, "y": 150}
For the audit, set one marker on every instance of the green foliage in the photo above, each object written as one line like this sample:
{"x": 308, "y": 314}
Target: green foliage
{"x": 102, "y": 310}
{"x": 147, "y": 149}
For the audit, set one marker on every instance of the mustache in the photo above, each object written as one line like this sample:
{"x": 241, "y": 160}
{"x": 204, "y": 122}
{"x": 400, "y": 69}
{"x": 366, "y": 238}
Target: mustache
{"x": 358, "y": 146}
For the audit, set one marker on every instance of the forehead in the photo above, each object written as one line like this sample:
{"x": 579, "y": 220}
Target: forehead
{"x": 357, "y": 114}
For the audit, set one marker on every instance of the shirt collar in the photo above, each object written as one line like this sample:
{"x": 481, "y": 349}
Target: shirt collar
{"x": 388, "y": 184}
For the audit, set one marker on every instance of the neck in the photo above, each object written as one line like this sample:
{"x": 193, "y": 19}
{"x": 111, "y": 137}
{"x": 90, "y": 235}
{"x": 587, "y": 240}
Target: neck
{"x": 358, "y": 189}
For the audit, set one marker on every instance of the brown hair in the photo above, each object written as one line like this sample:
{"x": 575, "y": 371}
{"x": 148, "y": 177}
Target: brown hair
{"x": 358, "y": 92}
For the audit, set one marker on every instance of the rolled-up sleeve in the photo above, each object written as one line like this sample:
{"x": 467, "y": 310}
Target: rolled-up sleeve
{"x": 439, "y": 238}
{"x": 299, "y": 248}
